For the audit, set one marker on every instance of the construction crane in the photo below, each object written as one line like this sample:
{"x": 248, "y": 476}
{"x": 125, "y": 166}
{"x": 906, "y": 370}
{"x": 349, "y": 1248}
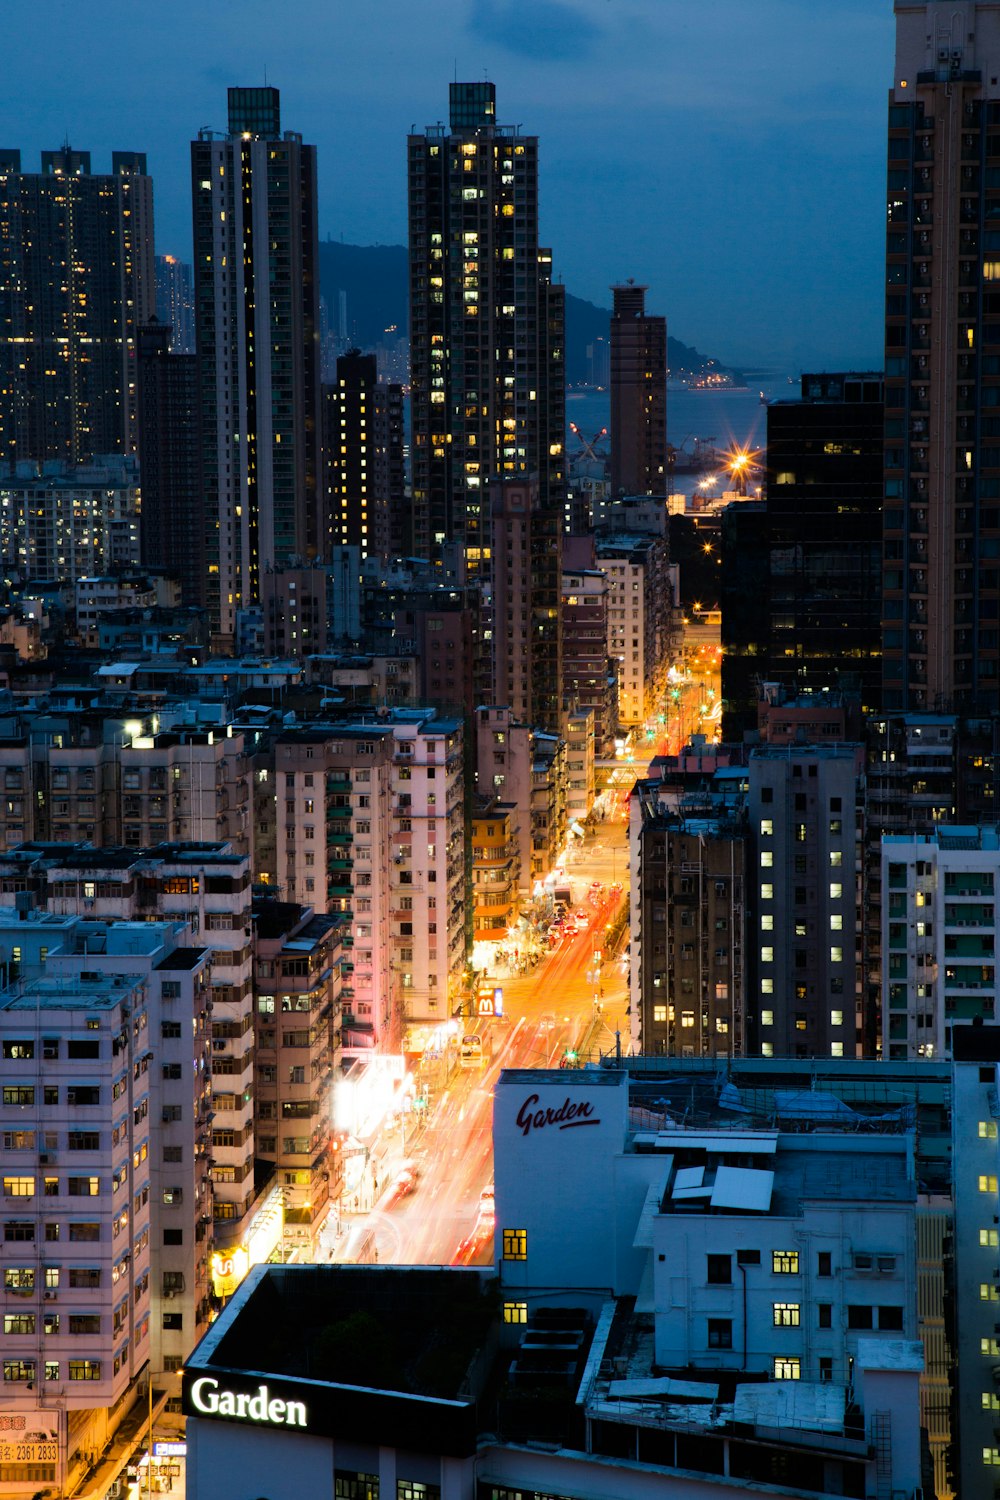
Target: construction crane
{"x": 587, "y": 450}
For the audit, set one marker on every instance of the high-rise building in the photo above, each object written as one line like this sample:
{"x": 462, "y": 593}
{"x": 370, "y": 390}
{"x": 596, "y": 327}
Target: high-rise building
{"x": 257, "y": 322}
{"x": 941, "y": 641}
{"x": 804, "y": 930}
{"x": 639, "y": 605}
{"x": 824, "y": 504}
{"x": 802, "y": 575}
{"x": 486, "y": 325}
{"x": 638, "y": 395}
{"x": 76, "y": 281}
{"x": 66, "y": 521}
{"x": 362, "y": 457}
{"x": 936, "y": 977}
{"x": 175, "y": 302}
{"x": 173, "y": 509}
{"x": 525, "y": 582}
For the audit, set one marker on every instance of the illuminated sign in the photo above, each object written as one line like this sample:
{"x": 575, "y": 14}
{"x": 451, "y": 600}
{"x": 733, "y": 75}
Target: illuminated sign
{"x": 486, "y": 1005}
{"x": 228, "y": 1269}
{"x": 29, "y": 1437}
{"x": 566, "y": 1117}
{"x": 206, "y": 1397}
{"x": 170, "y": 1450}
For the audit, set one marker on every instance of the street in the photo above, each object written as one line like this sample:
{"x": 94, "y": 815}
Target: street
{"x": 430, "y": 1212}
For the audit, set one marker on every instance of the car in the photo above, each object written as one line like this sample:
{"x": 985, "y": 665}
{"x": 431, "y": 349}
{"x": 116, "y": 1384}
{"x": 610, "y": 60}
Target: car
{"x": 402, "y": 1184}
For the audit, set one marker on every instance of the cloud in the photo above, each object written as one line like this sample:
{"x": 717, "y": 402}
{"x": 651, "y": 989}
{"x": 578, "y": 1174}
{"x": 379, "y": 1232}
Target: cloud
{"x": 546, "y": 30}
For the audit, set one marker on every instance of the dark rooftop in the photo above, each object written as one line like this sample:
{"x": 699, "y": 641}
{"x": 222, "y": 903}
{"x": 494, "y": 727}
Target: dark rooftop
{"x": 183, "y": 958}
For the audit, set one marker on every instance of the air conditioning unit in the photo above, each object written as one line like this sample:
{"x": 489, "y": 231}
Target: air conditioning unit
{"x": 49, "y": 1296}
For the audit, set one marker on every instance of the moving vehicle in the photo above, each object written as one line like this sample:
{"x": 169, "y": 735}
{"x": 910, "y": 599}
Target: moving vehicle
{"x": 475, "y": 1050}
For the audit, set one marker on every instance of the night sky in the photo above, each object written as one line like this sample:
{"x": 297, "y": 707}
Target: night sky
{"x": 732, "y": 155}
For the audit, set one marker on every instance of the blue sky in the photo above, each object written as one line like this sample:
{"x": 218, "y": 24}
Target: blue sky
{"x": 732, "y": 155}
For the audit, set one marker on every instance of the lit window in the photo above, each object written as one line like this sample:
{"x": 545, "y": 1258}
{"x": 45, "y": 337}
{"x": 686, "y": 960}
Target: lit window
{"x": 836, "y": 1018}
{"x": 767, "y": 892}
{"x": 836, "y": 858}
{"x": 988, "y": 1183}
{"x": 786, "y": 1315}
{"x": 19, "y": 1187}
{"x": 785, "y": 1262}
{"x": 766, "y": 859}
{"x": 767, "y": 1049}
{"x": 659, "y": 1012}
{"x": 990, "y": 1347}
{"x": 767, "y": 955}
{"x": 766, "y": 827}
{"x": 515, "y": 1312}
{"x": 836, "y": 923}
{"x": 836, "y": 955}
{"x": 787, "y": 1367}
{"x": 989, "y": 1238}
{"x": 988, "y": 1292}
{"x": 836, "y": 1049}
{"x": 767, "y": 923}
{"x": 767, "y": 1018}
{"x": 836, "y": 890}
{"x": 987, "y": 1131}
{"x": 515, "y": 1244}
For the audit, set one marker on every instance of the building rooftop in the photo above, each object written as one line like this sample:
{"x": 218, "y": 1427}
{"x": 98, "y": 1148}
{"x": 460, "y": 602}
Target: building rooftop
{"x": 71, "y": 993}
{"x": 183, "y": 959}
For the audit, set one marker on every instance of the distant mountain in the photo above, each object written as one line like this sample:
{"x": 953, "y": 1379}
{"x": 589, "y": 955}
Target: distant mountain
{"x": 374, "y": 279}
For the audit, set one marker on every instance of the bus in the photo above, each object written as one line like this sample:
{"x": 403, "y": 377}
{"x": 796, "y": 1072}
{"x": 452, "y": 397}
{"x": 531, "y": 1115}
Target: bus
{"x": 476, "y": 1049}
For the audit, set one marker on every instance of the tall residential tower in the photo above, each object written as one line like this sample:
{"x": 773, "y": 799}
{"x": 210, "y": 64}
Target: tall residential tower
{"x": 486, "y": 326}
{"x": 941, "y": 611}
{"x": 638, "y": 395}
{"x": 257, "y": 325}
{"x": 76, "y": 281}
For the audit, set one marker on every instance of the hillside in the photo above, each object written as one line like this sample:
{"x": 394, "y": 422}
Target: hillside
{"x": 374, "y": 277}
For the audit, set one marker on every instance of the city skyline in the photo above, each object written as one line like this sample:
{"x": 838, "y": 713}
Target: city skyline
{"x": 733, "y": 264}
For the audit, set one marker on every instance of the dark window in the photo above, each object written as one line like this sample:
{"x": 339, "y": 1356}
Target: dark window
{"x": 173, "y": 1236}
{"x": 83, "y": 1049}
{"x": 720, "y": 1270}
{"x": 890, "y": 1317}
{"x": 825, "y": 1310}
{"x": 720, "y": 1333}
{"x": 859, "y": 1316}
{"x": 174, "y": 1321}
{"x": 824, "y": 1263}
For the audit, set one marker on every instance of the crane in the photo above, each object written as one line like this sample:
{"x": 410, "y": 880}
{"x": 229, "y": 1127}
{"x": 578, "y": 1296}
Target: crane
{"x": 587, "y": 450}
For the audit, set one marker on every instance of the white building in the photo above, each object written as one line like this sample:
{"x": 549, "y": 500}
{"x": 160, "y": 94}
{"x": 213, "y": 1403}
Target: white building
{"x": 940, "y": 930}
{"x": 207, "y": 886}
{"x": 598, "y": 1376}
{"x": 107, "y": 1194}
{"x": 70, "y": 522}
{"x": 428, "y": 864}
{"x": 99, "y": 594}
{"x": 976, "y": 1277}
{"x": 638, "y": 620}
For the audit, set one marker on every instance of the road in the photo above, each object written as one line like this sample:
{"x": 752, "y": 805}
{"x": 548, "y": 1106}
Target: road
{"x": 440, "y": 1219}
